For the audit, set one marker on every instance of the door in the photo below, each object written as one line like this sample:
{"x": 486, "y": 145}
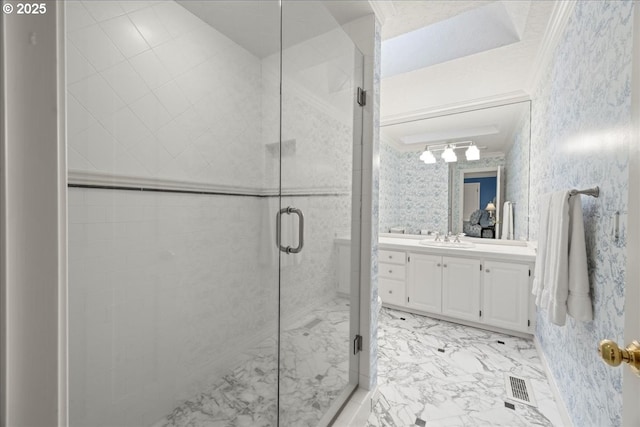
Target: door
{"x": 505, "y": 295}
{"x": 630, "y": 381}
{"x": 461, "y": 288}
{"x": 320, "y": 136}
{"x": 471, "y": 201}
{"x": 173, "y": 271}
{"x": 424, "y": 282}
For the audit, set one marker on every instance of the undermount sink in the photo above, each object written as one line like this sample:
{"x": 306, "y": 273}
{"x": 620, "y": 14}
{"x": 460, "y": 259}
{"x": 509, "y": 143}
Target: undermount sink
{"x": 434, "y": 244}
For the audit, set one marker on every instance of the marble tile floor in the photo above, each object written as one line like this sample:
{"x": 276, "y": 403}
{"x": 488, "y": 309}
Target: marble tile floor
{"x": 460, "y": 385}
{"x": 314, "y": 361}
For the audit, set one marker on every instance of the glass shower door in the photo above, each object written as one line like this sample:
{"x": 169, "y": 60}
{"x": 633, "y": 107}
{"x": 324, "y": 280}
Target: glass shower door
{"x": 172, "y": 108}
{"x": 319, "y": 151}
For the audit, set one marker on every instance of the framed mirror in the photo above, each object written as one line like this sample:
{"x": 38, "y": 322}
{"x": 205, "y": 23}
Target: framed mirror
{"x": 423, "y": 186}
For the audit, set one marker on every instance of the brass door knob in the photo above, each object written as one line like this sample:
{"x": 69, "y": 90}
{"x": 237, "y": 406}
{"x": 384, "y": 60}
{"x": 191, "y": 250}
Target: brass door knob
{"x": 614, "y": 355}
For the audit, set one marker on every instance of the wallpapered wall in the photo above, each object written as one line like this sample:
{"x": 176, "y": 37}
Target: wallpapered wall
{"x": 517, "y": 175}
{"x": 413, "y": 194}
{"x": 581, "y": 113}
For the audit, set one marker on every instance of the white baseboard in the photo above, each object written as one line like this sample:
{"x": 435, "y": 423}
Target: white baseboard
{"x": 564, "y": 414}
{"x": 356, "y": 411}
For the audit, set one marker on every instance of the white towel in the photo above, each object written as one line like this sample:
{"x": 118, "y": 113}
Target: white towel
{"x": 579, "y": 304}
{"x": 507, "y": 221}
{"x": 543, "y": 221}
{"x": 561, "y": 282}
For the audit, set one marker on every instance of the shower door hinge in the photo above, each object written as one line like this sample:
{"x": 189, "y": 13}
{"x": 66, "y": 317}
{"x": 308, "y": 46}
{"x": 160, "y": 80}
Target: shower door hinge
{"x": 362, "y": 97}
{"x": 528, "y": 322}
{"x": 357, "y": 344}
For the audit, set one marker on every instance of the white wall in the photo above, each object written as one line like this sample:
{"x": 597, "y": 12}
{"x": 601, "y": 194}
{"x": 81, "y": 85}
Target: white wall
{"x": 31, "y": 223}
{"x": 166, "y": 290}
{"x": 155, "y": 92}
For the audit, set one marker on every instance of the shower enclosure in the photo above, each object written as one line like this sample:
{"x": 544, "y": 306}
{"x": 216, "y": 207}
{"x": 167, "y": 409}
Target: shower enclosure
{"x": 213, "y": 158}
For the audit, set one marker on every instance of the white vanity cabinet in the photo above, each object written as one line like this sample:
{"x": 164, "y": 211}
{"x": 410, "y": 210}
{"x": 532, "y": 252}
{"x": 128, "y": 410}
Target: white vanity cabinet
{"x": 488, "y": 286}
{"x": 392, "y": 276}
{"x": 461, "y": 288}
{"x": 424, "y": 282}
{"x": 506, "y": 295}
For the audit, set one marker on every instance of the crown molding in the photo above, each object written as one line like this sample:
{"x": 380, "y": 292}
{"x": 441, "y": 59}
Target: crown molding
{"x": 383, "y": 9}
{"x": 560, "y": 15}
{"x": 455, "y": 108}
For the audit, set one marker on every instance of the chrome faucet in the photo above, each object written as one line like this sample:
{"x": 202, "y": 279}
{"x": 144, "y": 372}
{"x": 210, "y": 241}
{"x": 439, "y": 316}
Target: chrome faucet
{"x": 437, "y": 239}
{"x": 447, "y": 237}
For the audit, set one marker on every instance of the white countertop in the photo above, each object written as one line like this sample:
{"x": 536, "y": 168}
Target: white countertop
{"x": 494, "y": 251}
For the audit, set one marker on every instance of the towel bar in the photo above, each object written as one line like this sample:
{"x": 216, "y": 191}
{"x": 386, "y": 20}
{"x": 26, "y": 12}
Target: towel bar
{"x": 593, "y": 192}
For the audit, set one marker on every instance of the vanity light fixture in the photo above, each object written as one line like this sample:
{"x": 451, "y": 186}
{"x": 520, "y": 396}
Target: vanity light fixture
{"x": 448, "y": 153}
{"x": 472, "y": 153}
{"x": 427, "y": 156}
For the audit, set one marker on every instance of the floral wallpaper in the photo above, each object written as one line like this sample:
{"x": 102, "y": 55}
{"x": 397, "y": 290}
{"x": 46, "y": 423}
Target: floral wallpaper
{"x": 413, "y": 195}
{"x": 580, "y": 118}
{"x": 517, "y": 176}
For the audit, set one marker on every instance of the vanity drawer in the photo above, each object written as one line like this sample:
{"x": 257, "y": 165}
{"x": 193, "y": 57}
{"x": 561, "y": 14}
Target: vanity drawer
{"x": 392, "y": 291}
{"x": 393, "y": 257}
{"x": 391, "y": 271}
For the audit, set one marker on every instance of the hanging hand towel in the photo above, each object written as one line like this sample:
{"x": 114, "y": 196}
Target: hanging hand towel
{"x": 579, "y": 299}
{"x": 507, "y": 221}
{"x": 561, "y": 282}
{"x": 544, "y": 206}
{"x": 556, "y": 277}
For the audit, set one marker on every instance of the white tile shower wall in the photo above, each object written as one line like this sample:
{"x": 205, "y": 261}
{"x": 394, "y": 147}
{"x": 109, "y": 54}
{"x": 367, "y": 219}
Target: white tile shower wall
{"x": 462, "y": 165}
{"x": 413, "y": 194}
{"x": 163, "y": 289}
{"x": 154, "y": 92}
{"x": 318, "y": 92}
{"x": 581, "y": 115}
{"x": 517, "y": 177}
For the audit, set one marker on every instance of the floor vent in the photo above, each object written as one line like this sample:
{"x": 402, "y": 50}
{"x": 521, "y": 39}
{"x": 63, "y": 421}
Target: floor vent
{"x": 519, "y": 390}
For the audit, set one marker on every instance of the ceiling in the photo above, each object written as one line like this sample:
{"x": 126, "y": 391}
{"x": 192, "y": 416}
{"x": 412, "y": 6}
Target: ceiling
{"x": 451, "y": 56}
{"x": 490, "y": 129}
{"x": 255, "y": 24}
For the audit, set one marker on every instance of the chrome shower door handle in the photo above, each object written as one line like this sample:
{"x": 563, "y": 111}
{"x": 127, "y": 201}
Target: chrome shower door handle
{"x": 288, "y": 249}
{"x": 278, "y": 226}
{"x": 298, "y": 212}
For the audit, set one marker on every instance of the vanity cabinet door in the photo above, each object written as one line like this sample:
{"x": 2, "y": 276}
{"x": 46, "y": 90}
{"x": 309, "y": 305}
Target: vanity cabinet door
{"x": 506, "y": 295}
{"x": 392, "y": 291}
{"x": 461, "y": 288}
{"x": 424, "y": 282}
